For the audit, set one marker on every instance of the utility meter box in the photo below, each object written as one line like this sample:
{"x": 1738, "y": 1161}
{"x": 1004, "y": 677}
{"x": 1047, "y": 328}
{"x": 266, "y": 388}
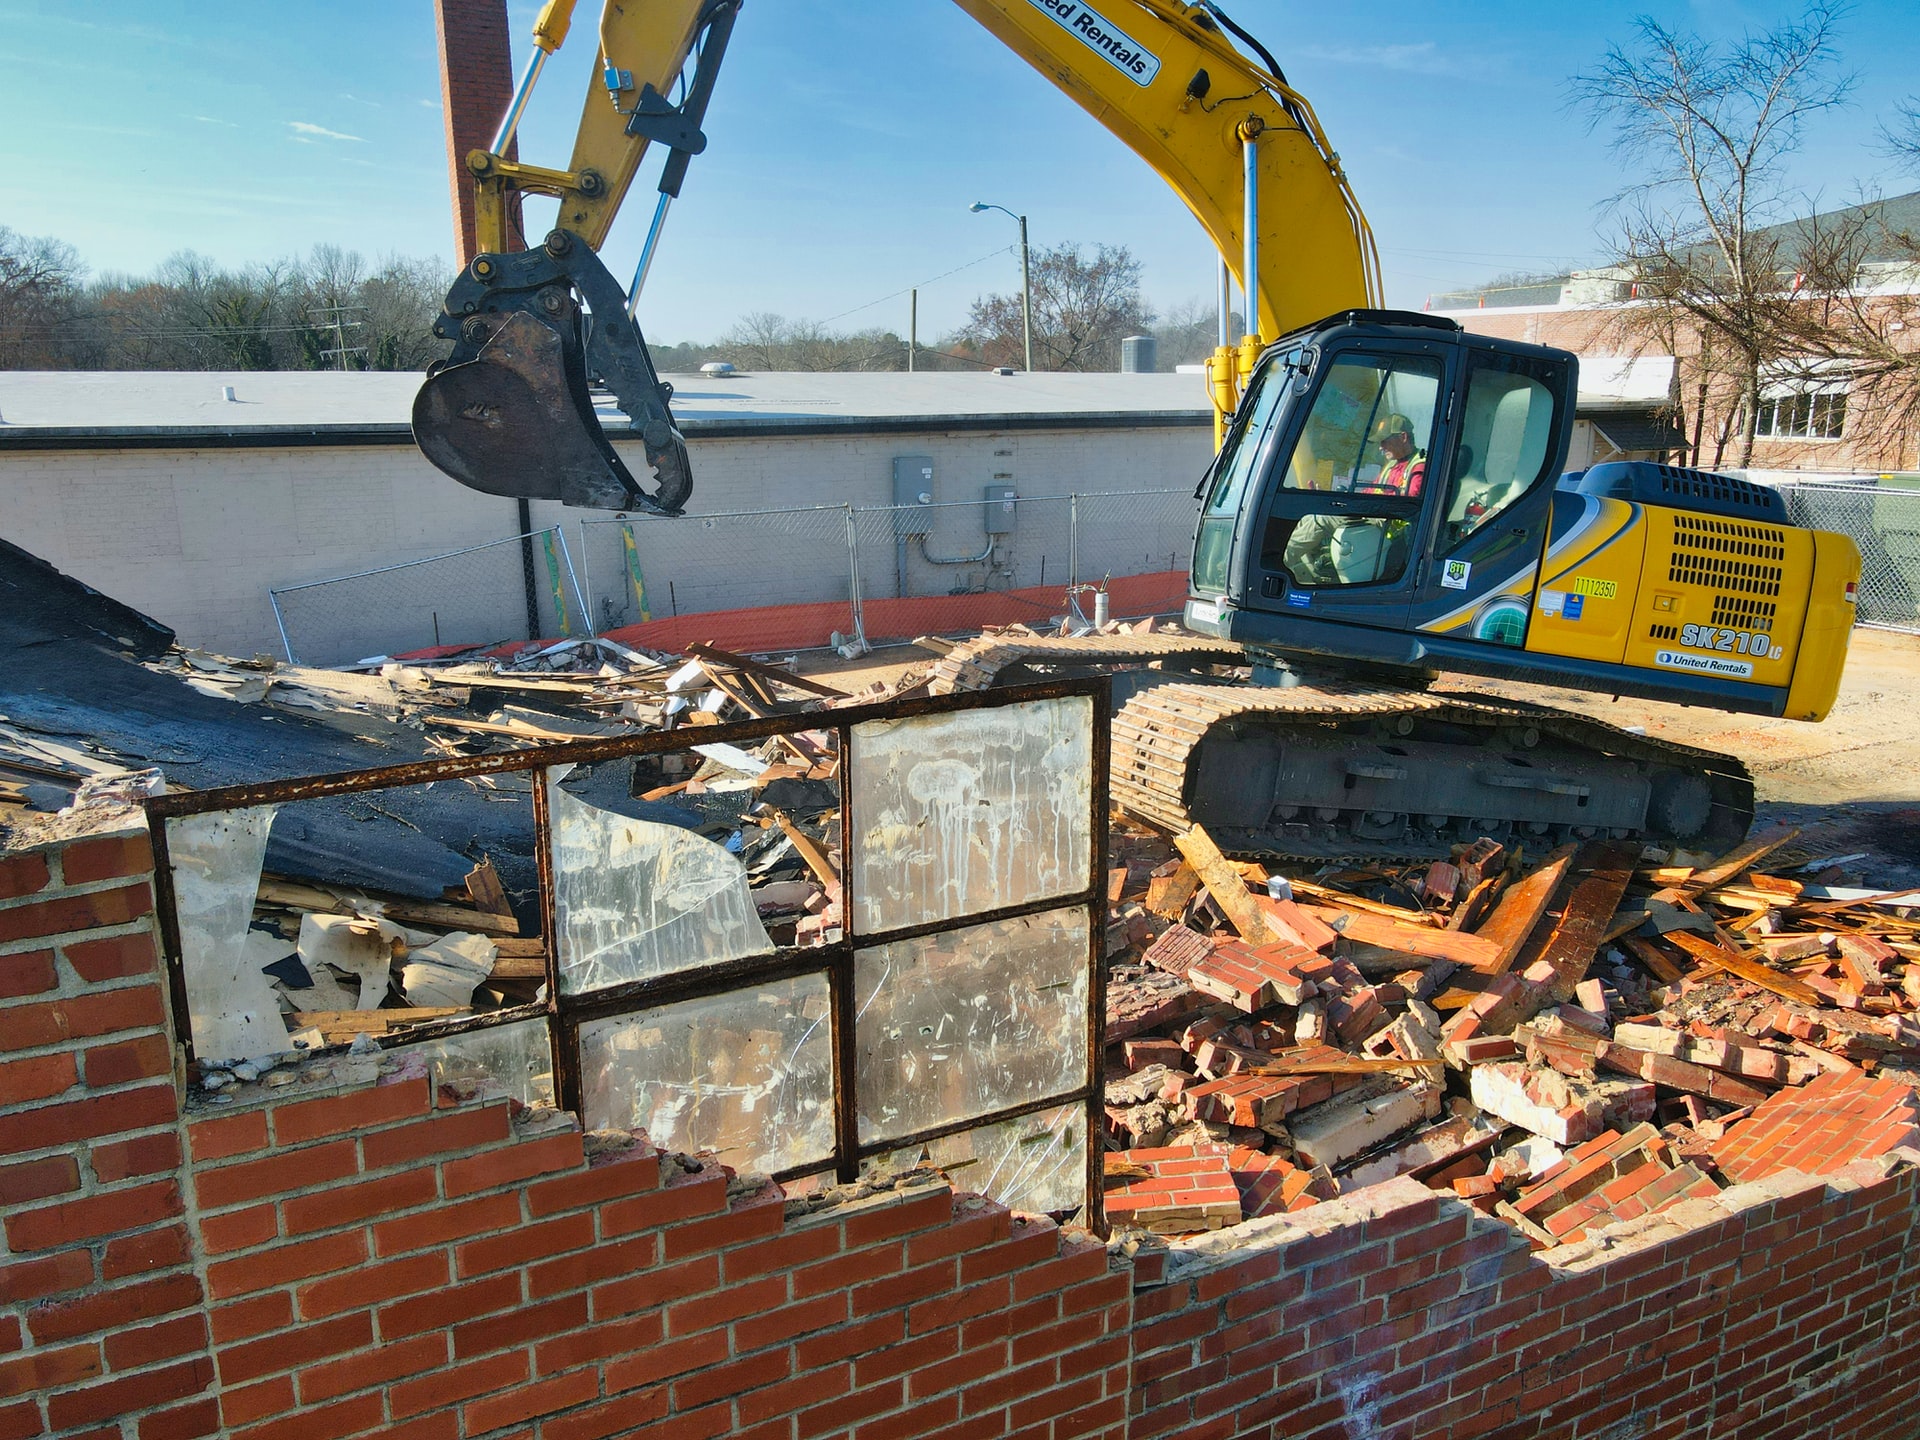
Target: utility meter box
{"x": 1001, "y": 503}
{"x": 913, "y": 480}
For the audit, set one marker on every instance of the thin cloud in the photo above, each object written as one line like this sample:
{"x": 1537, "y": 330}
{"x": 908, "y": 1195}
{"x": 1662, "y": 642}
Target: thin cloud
{"x": 311, "y": 132}
{"x": 429, "y": 104}
{"x": 210, "y": 120}
{"x": 1424, "y": 58}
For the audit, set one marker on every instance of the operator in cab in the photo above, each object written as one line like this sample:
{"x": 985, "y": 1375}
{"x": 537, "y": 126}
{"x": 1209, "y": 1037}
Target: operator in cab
{"x": 1332, "y": 550}
{"x": 1404, "y": 465}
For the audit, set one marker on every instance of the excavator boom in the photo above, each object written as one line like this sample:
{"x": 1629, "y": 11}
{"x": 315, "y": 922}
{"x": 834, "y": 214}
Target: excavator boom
{"x": 511, "y": 411}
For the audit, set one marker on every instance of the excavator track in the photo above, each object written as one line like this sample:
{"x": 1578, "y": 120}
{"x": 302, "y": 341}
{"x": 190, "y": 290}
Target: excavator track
{"x": 990, "y": 660}
{"x": 1341, "y": 769}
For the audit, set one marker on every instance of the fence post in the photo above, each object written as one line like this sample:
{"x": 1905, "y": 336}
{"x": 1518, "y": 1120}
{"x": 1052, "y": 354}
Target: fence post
{"x": 573, "y": 578}
{"x": 585, "y": 578}
{"x": 853, "y": 579}
{"x": 280, "y": 620}
{"x": 1073, "y": 540}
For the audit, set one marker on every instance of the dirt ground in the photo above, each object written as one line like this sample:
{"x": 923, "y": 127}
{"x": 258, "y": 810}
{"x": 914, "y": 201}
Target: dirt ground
{"x": 1851, "y": 782}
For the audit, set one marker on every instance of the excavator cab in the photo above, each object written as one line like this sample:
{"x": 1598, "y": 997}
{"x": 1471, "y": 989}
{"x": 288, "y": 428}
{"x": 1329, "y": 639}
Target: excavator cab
{"x": 1390, "y": 493}
{"x": 1383, "y": 469}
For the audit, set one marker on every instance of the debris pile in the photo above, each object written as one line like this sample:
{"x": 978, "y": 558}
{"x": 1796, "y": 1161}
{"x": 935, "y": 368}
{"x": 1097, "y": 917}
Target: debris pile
{"x": 1589, "y": 1036}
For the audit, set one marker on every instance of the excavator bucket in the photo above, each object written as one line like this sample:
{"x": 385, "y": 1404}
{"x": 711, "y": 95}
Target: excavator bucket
{"x": 511, "y": 411}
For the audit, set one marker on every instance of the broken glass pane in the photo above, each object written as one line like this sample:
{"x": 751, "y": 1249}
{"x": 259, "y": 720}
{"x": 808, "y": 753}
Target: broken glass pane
{"x": 514, "y": 1060}
{"x": 633, "y": 899}
{"x": 1036, "y": 1163}
{"x": 971, "y": 1021}
{"x": 977, "y": 810}
{"x": 747, "y": 1075}
{"x": 216, "y": 875}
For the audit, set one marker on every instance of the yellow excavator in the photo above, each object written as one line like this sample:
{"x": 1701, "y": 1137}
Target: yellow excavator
{"x": 1386, "y": 504}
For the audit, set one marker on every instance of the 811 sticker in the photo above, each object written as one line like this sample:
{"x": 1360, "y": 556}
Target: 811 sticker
{"x": 1455, "y": 574}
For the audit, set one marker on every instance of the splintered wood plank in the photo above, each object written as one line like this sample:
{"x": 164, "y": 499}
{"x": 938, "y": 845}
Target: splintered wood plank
{"x": 1648, "y": 954}
{"x": 518, "y": 967}
{"x": 1752, "y": 971}
{"x": 292, "y": 895}
{"x": 1225, "y": 884}
{"x": 1468, "y": 912}
{"x": 1521, "y": 906}
{"x": 1356, "y": 902}
{"x": 1475, "y": 951}
{"x": 815, "y": 858}
{"x": 334, "y": 1024}
{"x": 706, "y": 650}
{"x": 485, "y": 891}
{"x": 1601, "y": 875}
{"x": 1167, "y": 895}
{"x": 1741, "y": 858}
{"x": 1352, "y": 1065}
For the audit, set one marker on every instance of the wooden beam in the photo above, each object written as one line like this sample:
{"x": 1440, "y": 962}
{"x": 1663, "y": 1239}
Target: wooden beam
{"x": 706, "y": 650}
{"x": 1520, "y": 908}
{"x": 1741, "y": 858}
{"x": 1475, "y": 951}
{"x": 345, "y": 1024}
{"x": 1223, "y": 882}
{"x": 292, "y": 895}
{"x": 1751, "y": 971}
{"x": 1602, "y": 873}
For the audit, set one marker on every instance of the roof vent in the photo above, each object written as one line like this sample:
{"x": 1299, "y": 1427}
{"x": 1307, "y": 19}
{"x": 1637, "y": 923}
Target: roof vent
{"x": 717, "y": 367}
{"x": 1005, "y": 370}
{"x": 226, "y": 393}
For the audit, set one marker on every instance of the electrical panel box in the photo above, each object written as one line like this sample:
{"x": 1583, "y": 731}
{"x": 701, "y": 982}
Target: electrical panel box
{"x": 1001, "y": 503}
{"x": 913, "y": 480}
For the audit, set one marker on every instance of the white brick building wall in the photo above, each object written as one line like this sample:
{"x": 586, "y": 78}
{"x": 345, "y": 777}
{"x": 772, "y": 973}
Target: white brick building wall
{"x": 195, "y": 537}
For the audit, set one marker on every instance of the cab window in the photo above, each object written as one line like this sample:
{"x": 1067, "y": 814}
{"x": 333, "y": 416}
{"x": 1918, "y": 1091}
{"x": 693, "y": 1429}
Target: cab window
{"x": 1369, "y": 433}
{"x": 1505, "y": 442}
{"x": 1241, "y": 452}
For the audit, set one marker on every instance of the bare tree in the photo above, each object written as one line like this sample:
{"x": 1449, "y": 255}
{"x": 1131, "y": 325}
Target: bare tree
{"x": 1190, "y": 330}
{"x": 765, "y": 341}
{"x": 1708, "y": 127}
{"x": 1083, "y": 307}
{"x": 39, "y": 288}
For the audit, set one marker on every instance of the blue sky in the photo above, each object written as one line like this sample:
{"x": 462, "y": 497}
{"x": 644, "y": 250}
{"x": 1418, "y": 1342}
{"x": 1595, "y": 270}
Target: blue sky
{"x": 847, "y": 140}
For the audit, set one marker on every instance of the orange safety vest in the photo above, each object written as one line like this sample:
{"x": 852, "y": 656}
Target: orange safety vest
{"x": 1403, "y": 477}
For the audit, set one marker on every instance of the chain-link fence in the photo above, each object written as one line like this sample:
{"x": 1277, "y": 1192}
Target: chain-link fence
{"x": 520, "y": 588}
{"x": 1885, "y": 523}
{"x": 882, "y": 572}
{"x": 655, "y": 568}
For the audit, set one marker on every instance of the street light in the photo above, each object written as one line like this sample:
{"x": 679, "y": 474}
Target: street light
{"x": 1026, "y": 276}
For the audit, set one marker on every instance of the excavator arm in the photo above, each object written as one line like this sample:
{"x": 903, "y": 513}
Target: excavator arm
{"x": 511, "y": 410}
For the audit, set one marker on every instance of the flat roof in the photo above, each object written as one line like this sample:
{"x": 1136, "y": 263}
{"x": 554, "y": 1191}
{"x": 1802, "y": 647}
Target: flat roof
{"x": 78, "y": 408}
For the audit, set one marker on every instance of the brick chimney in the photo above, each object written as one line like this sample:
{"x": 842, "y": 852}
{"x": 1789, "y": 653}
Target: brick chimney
{"x": 476, "y": 86}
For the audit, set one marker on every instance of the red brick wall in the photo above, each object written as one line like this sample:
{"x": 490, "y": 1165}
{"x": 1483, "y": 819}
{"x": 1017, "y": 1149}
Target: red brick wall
{"x": 100, "y": 1302}
{"x": 359, "y": 1262}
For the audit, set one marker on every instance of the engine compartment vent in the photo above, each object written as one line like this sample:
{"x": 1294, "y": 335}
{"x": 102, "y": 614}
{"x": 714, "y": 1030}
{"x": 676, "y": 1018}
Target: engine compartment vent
{"x": 1647, "y": 482}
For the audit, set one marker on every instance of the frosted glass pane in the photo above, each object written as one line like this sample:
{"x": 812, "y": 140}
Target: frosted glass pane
{"x": 216, "y": 861}
{"x": 633, "y": 899}
{"x": 1036, "y": 1163}
{"x": 965, "y": 1023}
{"x": 512, "y": 1060}
{"x": 747, "y": 1075}
{"x": 977, "y": 810}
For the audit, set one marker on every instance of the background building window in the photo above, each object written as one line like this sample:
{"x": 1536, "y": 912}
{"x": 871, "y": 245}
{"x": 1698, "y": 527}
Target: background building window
{"x": 1802, "y": 416}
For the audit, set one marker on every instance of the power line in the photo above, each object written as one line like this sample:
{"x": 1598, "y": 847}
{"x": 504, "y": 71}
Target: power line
{"x": 921, "y": 284}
